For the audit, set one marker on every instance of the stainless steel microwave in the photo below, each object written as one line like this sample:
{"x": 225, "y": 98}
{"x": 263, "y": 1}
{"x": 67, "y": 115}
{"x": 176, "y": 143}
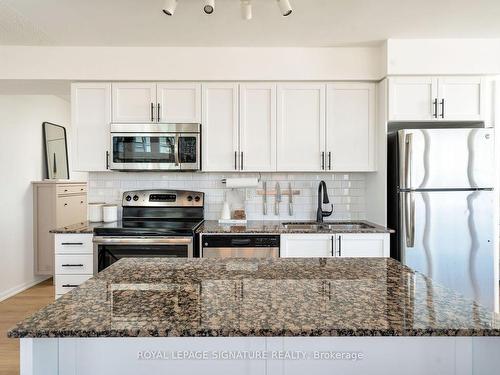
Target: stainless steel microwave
{"x": 170, "y": 147}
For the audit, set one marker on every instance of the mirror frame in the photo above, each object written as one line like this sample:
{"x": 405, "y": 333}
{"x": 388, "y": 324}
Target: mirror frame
{"x": 44, "y": 125}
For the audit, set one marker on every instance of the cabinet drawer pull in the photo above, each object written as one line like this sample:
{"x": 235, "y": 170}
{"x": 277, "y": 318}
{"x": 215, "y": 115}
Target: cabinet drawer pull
{"x": 152, "y": 112}
{"x": 329, "y": 160}
{"x": 435, "y": 103}
{"x": 323, "y": 160}
{"x": 158, "y": 113}
{"x": 340, "y": 246}
{"x": 235, "y": 160}
{"x": 72, "y": 243}
{"x": 72, "y": 265}
{"x": 70, "y": 286}
{"x": 65, "y": 204}
{"x": 442, "y": 108}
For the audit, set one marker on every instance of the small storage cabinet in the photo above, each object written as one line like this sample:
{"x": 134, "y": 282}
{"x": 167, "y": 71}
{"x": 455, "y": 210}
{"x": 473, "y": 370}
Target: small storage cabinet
{"x": 345, "y": 245}
{"x": 74, "y": 260}
{"x": 55, "y": 204}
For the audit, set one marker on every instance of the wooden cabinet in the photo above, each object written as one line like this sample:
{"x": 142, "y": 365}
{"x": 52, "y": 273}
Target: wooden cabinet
{"x": 74, "y": 260}
{"x": 134, "y": 102}
{"x": 90, "y": 118}
{"x": 220, "y": 127}
{"x": 437, "y": 99}
{"x": 55, "y": 204}
{"x": 306, "y": 245}
{"x": 350, "y": 127}
{"x": 301, "y": 127}
{"x": 339, "y": 245}
{"x": 178, "y": 102}
{"x": 257, "y": 128}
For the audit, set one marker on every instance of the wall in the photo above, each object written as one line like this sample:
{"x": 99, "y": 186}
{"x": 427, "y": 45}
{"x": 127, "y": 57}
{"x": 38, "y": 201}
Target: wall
{"x": 22, "y": 162}
{"x": 346, "y": 191}
{"x": 190, "y": 63}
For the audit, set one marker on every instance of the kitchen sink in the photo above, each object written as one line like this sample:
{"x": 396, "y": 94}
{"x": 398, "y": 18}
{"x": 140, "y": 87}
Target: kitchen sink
{"x": 314, "y": 226}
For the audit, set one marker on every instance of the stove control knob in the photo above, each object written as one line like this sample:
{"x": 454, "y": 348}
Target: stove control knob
{"x": 128, "y": 198}
{"x": 197, "y": 198}
{"x": 189, "y": 198}
{"x": 136, "y": 198}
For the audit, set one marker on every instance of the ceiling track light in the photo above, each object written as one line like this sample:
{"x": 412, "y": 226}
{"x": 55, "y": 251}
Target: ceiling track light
{"x": 246, "y": 10}
{"x": 285, "y": 7}
{"x": 209, "y": 6}
{"x": 169, "y": 7}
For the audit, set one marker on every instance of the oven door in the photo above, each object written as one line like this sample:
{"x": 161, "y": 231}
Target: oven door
{"x": 144, "y": 151}
{"x": 108, "y": 250}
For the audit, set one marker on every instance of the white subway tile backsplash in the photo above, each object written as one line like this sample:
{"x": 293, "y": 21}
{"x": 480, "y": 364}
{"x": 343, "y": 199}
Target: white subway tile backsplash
{"x": 346, "y": 191}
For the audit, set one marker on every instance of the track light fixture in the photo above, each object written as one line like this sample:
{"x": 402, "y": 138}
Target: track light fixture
{"x": 209, "y": 6}
{"x": 246, "y": 10}
{"x": 169, "y": 7}
{"x": 285, "y": 7}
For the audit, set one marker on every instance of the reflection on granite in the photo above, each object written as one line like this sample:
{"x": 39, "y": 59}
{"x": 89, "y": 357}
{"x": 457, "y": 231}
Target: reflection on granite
{"x": 259, "y": 297}
{"x": 276, "y": 227}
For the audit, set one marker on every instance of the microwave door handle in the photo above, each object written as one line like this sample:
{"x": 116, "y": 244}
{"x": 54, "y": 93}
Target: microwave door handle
{"x": 176, "y": 150}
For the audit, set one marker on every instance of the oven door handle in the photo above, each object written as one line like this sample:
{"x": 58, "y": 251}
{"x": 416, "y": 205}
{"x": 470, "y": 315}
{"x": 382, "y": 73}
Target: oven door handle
{"x": 143, "y": 240}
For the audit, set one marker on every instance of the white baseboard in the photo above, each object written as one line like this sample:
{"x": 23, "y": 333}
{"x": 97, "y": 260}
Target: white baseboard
{"x": 19, "y": 288}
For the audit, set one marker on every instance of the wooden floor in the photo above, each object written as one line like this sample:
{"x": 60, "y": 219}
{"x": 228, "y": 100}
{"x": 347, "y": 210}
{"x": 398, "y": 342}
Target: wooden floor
{"x": 13, "y": 310}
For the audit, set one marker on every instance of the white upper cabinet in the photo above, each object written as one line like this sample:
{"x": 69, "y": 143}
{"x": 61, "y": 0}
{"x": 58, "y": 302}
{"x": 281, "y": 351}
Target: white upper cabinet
{"x": 412, "y": 99}
{"x": 437, "y": 99}
{"x": 461, "y": 98}
{"x": 134, "y": 102}
{"x": 301, "y": 127}
{"x": 179, "y": 102}
{"x": 257, "y": 127}
{"x": 350, "y": 127}
{"x": 90, "y": 118}
{"x": 220, "y": 127}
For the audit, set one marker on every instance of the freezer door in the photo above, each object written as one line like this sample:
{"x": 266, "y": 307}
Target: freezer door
{"x": 446, "y": 158}
{"x": 448, "y": 236}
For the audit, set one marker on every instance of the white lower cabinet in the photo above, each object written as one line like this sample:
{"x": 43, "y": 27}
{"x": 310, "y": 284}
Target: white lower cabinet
{"x": 74, "y": 261}
{"x": 339, "y": 245}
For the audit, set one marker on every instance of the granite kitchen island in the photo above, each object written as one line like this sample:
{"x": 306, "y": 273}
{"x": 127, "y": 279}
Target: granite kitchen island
{"x": 248, "y": 316}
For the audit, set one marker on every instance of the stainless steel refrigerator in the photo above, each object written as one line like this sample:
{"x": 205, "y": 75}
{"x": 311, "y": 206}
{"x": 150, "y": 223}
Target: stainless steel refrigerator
{"x": 441, "y": 203}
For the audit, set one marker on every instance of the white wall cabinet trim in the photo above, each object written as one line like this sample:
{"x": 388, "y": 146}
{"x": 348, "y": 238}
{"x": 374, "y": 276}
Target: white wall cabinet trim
{"x": 257, "y": 131}
{"x": 134, "y": 102}
{"x": 350, "y": 127}
{"x": 180, "y": 102}
{"x": 220, "y": 127}
{"x": 90, "y": 119}
{"x": 301, "y": 127}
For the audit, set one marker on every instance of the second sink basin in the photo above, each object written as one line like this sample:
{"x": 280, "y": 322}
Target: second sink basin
{"x": 313, "y": 226}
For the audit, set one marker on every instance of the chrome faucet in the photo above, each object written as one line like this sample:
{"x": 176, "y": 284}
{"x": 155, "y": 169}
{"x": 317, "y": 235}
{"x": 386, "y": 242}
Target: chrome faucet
{"x": 322, "y": 199}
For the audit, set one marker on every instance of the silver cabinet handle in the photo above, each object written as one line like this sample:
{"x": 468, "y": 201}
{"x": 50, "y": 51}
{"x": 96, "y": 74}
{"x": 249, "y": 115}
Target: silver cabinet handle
{"x": 158, "y": 113}
{"x": 435, "y": 104}
{"x": 329, "y": 160}
{"x": 107, "y": 159}
{"x": 152, "y": 113}
{"x": 241, "y": 160}
{"x": 70, "y": 286}
{"x": 323, "y": 160}
{"x": 236, "y": 160}
{"x": 333, "y": 245}
{"x": 176, "y": 150}
{"x": 72, "y": 265}
{"x": 72, "y": 243}
{"x": 442, "y": 108}
{"x": 340, "y": 246}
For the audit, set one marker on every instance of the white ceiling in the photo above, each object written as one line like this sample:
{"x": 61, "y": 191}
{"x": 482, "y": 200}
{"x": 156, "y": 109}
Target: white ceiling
{"x": 313, "y": 22}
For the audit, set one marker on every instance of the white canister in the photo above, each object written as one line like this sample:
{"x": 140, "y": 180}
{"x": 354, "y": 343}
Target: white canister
{"x": 95, "y": 212}
{"x": 110, "y": 213}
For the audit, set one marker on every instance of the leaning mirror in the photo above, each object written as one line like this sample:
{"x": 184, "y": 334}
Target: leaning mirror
{"x": 56, "y": 151}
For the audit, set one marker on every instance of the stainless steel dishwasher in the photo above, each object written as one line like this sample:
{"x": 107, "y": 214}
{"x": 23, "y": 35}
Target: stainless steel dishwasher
{"x": 240, "y": 246}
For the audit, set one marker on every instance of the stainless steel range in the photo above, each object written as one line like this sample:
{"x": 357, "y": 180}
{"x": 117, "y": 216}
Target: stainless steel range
{"x": 155, "y": 223}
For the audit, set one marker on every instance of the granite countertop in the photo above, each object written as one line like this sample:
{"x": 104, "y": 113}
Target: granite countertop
{"x": 266, "y": 297}
{"x": 276, "y": 227}
{"x": 83, "y": 227}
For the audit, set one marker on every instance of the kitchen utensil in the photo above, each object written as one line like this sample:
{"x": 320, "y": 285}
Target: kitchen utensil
{"x": 278, "y": 199}
{"x": 290, "y": 199}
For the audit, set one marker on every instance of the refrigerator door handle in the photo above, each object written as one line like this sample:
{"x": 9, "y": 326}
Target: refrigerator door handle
{"x": 409, "y": 217}
{"x": 408, "y": 156}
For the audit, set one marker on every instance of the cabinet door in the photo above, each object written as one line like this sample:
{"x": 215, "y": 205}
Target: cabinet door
{"x": 90, "y": 118}
{"x": 258, "y": 127}
{"x": 306, "y": 245}
{"x": 179, "y": 102}
{"x": 301, "y": 127}
{"x": 350, "y": 127}
{"x": 358, "y": 245}
{"x": 134, "y": 102}
{"x": 71, "y": 209}
{"x": 220, "y": 127}
{"x": 461, "y": 98}
{"x": 412, "y": 99}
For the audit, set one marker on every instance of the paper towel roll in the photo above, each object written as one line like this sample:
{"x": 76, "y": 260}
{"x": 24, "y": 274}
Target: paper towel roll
{"x": 241, "y": 182}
